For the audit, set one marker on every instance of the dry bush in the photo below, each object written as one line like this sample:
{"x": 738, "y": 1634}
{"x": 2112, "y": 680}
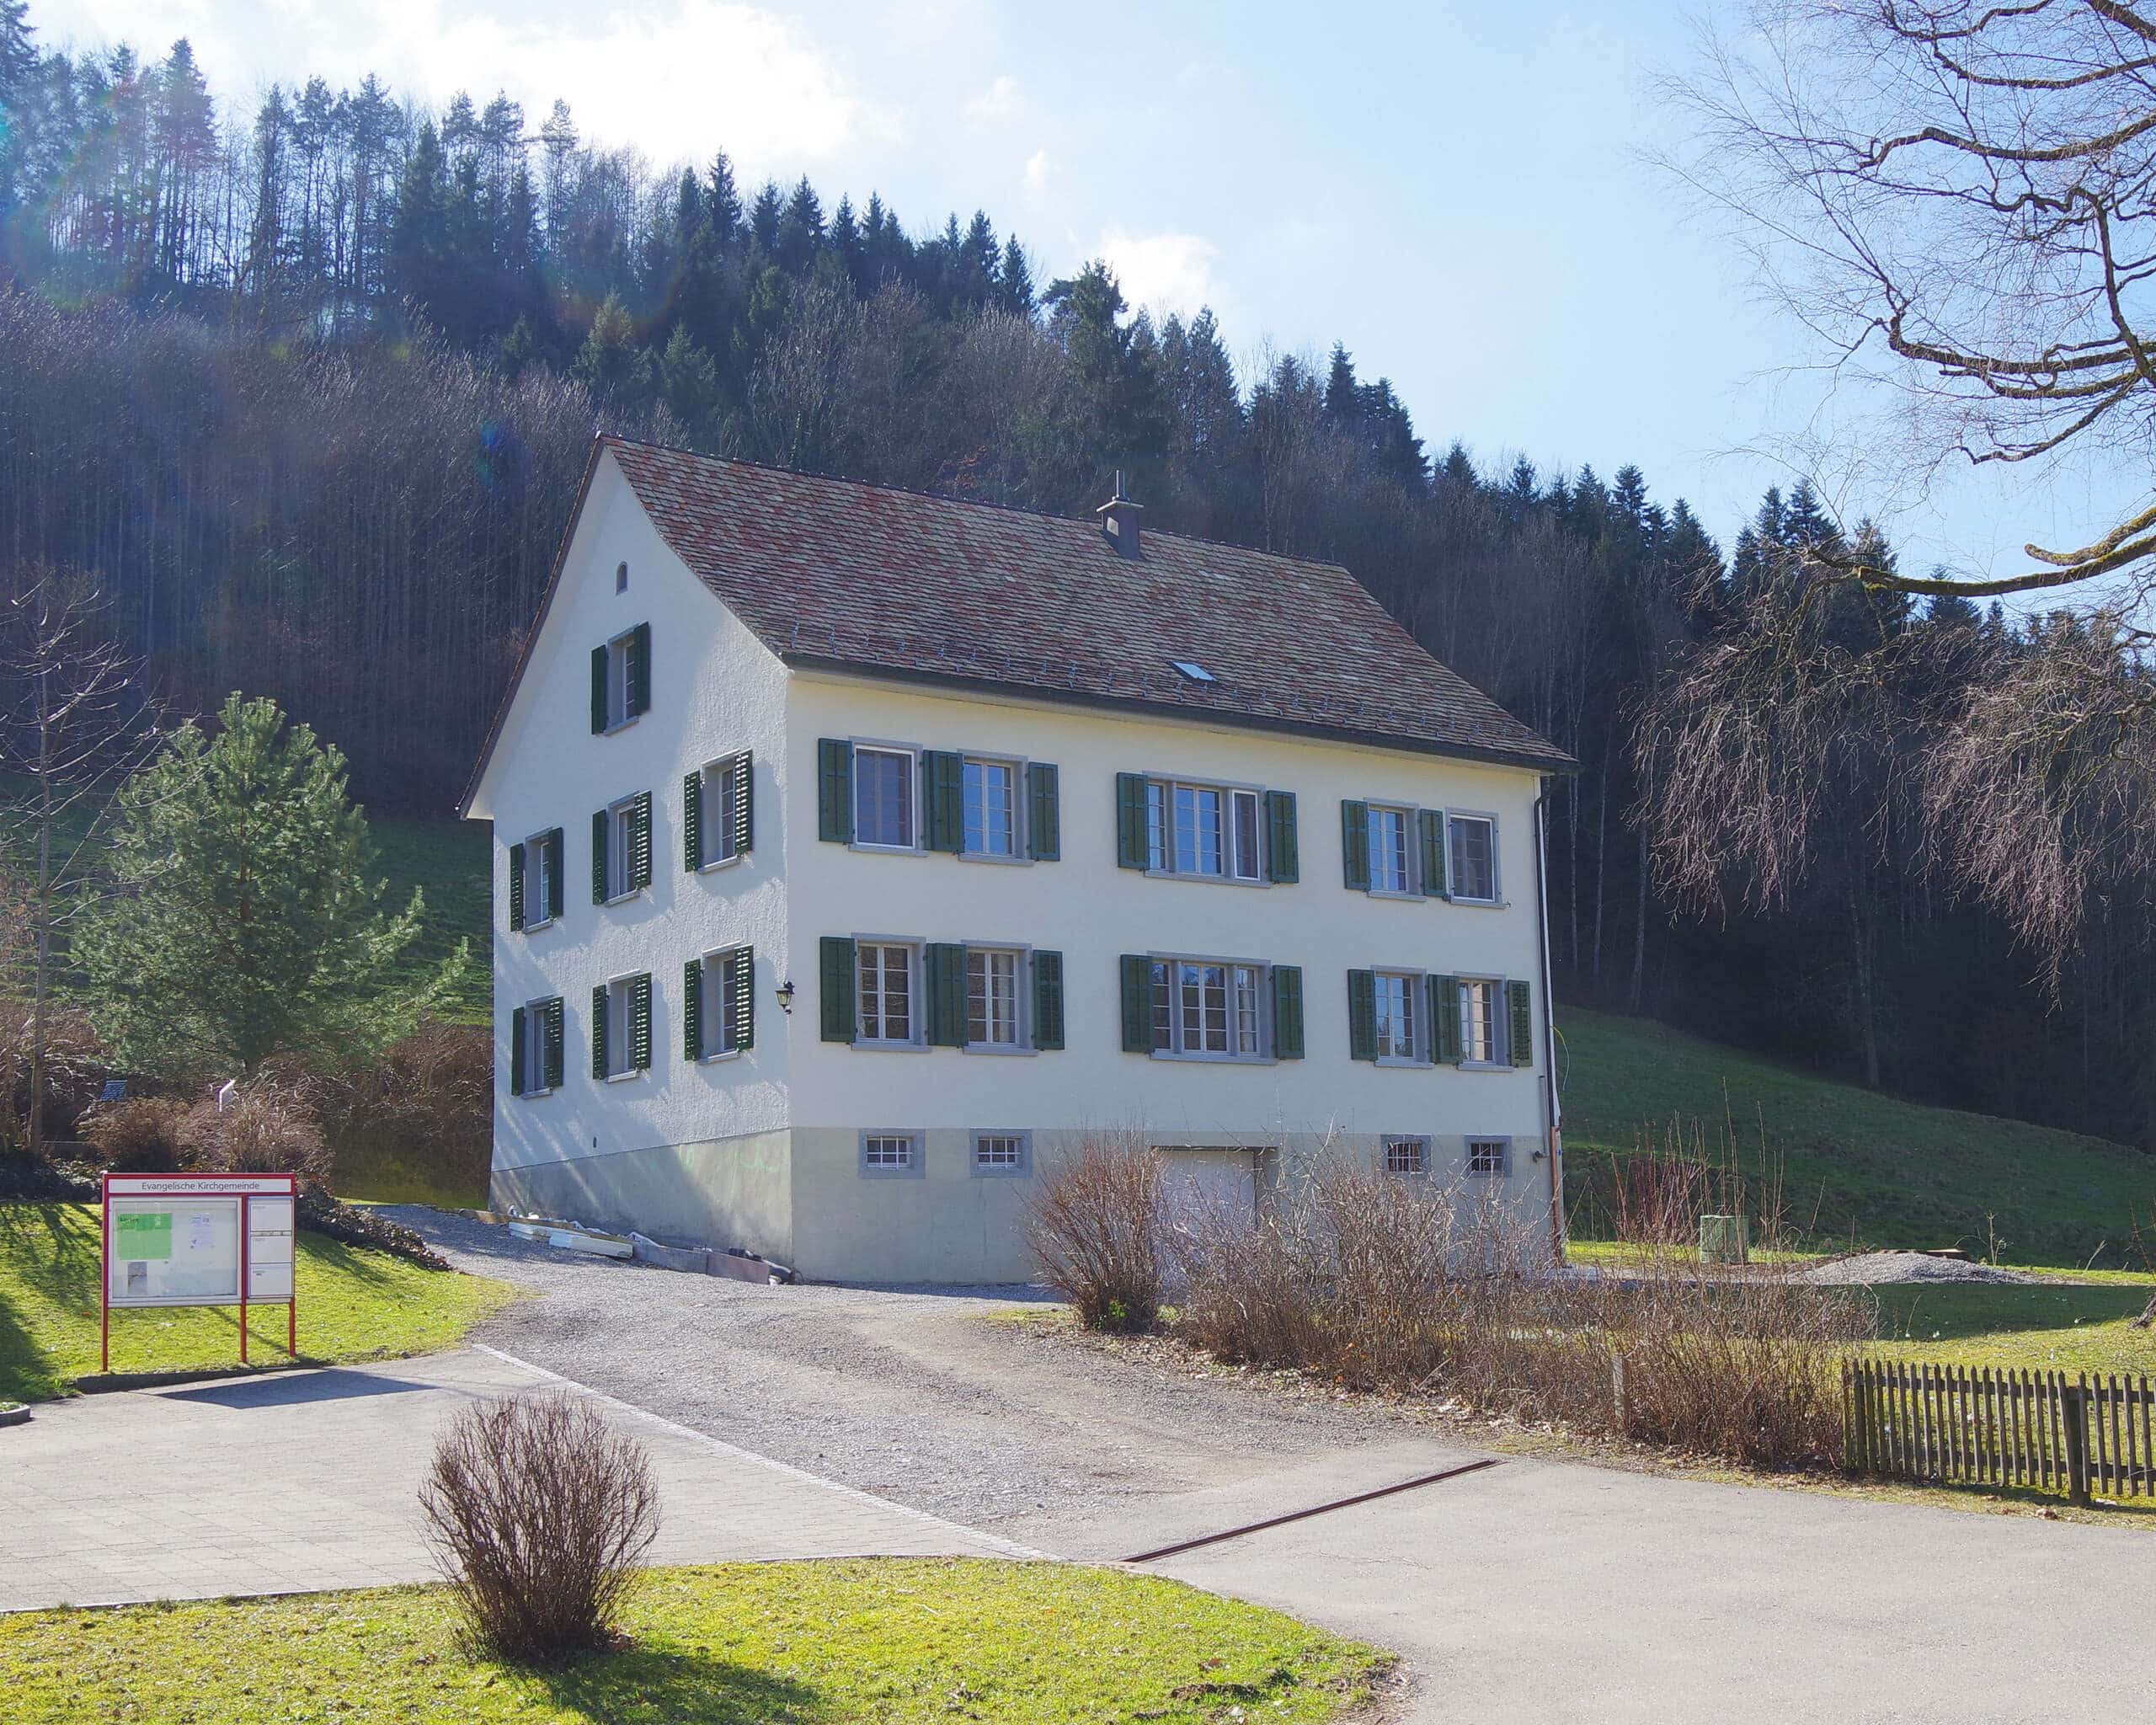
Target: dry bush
{"x": 141, "y": 1135}
{"x": 265, "y": 1129}
{"x": 424, "y": 1110}
{"x": 1095, "y": 1227}
{"x": 1402, "y": 1283}
{"x": 539, "y": 1513}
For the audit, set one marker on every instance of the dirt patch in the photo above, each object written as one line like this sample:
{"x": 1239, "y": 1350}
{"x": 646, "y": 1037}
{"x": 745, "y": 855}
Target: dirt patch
{"x": 1875, "y": 1268}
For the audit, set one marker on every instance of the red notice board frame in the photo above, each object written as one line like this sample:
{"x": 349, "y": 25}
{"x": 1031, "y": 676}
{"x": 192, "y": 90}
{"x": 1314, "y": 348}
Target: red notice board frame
{"x": 246, "y": 1188}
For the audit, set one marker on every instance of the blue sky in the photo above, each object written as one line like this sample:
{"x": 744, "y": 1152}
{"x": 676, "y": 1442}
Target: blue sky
{"x": 1456, "y": 191}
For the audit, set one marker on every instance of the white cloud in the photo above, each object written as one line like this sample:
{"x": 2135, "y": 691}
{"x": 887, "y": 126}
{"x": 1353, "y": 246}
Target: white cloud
{"x": 1038, "y": 168}
{"x": 1163, "y": 272}
{"x": 999, "y": 105}
{"x": 679, "y": 79}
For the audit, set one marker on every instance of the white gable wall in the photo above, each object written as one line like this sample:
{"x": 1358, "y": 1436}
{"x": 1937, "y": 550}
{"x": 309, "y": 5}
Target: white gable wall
{"x": 715, "y": 690}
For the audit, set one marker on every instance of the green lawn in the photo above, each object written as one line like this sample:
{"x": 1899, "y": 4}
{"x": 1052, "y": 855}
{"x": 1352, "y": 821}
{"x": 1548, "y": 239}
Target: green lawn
{"x": 869, "y": 1641}
{"x": 451, "y": 862}
{"x": 1858, "y": 1166}
{"x": 2066, "y": 1327}
{"x": 354, "y": 1304}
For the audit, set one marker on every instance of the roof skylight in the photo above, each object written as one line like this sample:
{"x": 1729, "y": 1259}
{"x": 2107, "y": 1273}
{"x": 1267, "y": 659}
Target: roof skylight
{"x": 1192, "y": 669}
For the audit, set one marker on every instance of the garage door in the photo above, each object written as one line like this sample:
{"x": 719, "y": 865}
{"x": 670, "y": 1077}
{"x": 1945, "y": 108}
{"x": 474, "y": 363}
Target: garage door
{"x": 1218, "y": 1183}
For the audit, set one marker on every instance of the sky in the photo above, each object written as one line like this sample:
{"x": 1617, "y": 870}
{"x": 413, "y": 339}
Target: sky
{"x": 1459, "y": 192}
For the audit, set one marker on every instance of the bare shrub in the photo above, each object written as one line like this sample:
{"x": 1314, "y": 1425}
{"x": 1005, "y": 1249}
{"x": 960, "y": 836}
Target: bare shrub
{"x": 420, "y": 1118}
{"x": 265, "y": 1129}
{"x": 141, "y": 1135}
{"x": 1095, "y": 1227}
{"x": 539, "y": 1513}
{"x": 1402, "y": 1283}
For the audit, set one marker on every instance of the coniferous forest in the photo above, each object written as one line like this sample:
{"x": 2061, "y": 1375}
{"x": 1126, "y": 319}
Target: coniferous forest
{"x": 308, "y": 387}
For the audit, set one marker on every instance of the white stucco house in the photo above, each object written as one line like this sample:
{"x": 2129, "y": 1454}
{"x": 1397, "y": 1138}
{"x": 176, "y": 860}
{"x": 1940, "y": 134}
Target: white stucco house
{"x": 859, "y": 852}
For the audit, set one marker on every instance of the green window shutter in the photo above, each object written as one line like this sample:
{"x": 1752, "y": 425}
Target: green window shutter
{"x": 516, "y": 886}
{"x": 599, "y": 1033}
{"x": 640, "y": 843}
{"x": 1520, "y": 1027}
{"x": 516, "y": 1075}
{"x": 640, "y": 669}
{"x": 741, "y": 1000}
{"x": 835, "y": 791}
{"x": 834, "y": 986}
{"x": 558, "y": 853}
{"x": 1130, "y": 820}
{"x": 692, "y": 1010}
{"x": 640, "y": 1022}
{"x": 1287, "y": 1011}
{"x": 552, "y": 1077}
{"x": 1362, "y": 1015}
{"x": 943, "y": 795}
{"x": 743, "y": 813}
{"x": 1445, "y": 1016}
{"x": 598, "y": 690}
{"x": 1047, "y": 1000}
{"x": 1044, "y": 813}
{"x": 692, "y": 822}
{"x": 601, "y": 824}
{"x": 947, "y": 994}
{"x": 1283, "y": 858}
{"x": 1432, "y": 821}
{"x": 1136, "y": 1003}
{"x": 1355, "y": 844}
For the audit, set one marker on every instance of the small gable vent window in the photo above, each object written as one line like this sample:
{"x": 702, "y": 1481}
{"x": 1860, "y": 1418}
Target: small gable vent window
{"x": 620, "y": 577}
{"x": 1190, "y": 670}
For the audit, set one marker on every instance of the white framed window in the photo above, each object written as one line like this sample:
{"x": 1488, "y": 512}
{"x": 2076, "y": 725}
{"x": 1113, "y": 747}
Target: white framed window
{"x": 620, "y": 847}
{"x": 533, "y": 1057}
{"x": 994, "y": 1014}
{"x": 1407, "y": 1156}
{"x": 1471, "y": 857}
{"x": 1208, "y": 831}
{"x": 621, "y": 1027}
{"x": 1398, "y": 1025}
{"x": 619, "y": 651}
{"x": 716, "y": 802}
{"x": 991, "y": 806}
{"x": 1481, "y": 1026}
{"x": 1490, "y": 1157}
{"x": 1392, "y": 856}
{"x": 541, "y": 870}
{"x": 888, "y": 1154}
{"x": 1005, "y": 1154}
{"x": 888, "y": 974}
{"x": 1210, "y": 1008}
{"x": 886, "y": 797}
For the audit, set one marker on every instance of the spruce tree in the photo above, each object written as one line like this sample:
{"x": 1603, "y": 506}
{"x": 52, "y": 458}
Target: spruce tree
{"x": 249, "y": 921}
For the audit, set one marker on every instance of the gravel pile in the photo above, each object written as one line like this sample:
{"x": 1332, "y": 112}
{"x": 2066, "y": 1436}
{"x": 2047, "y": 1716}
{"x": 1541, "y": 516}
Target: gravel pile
{"x": 1869, "y": 1268}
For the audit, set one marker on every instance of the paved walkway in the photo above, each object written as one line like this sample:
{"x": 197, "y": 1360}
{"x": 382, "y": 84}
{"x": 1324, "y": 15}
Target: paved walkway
{"x": 302, "y": 1480}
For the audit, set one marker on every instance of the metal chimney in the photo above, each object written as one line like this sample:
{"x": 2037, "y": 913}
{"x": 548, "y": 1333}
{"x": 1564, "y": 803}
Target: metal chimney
{"x": 1119, "y": 520}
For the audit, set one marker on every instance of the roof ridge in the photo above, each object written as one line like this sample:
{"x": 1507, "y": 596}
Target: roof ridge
{"x": 1013, "y": 509}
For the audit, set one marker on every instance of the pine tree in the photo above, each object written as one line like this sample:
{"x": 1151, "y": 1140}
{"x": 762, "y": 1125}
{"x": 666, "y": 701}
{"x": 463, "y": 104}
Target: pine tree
{"x": 1014, "y": 284}
{"x": 722, "y": 199}
{"x": 1343, "y": 401}
{"x": 249, "y": 921}
{"x": 764, "y": 218}
{"x": 607, "y": 362}
{"x": 800, "y": 229}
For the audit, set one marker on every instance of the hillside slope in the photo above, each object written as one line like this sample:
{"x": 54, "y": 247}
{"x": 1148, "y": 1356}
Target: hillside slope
{"x": 1854, "y": 1163}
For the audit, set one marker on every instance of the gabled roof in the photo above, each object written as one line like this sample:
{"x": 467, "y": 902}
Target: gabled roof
{"x": 837, "y": 573}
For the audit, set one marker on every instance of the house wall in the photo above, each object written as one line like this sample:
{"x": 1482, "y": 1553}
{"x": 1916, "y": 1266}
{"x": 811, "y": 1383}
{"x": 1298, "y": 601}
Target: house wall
{"x": 1093, "y": 911}
{"x": 610, "y": 1150}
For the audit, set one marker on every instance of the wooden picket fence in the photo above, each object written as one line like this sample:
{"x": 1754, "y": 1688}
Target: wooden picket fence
{"x": 2082, "y": 1434}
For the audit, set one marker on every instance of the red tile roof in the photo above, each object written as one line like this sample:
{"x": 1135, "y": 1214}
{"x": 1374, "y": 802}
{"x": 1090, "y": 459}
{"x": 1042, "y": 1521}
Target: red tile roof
{"x": 834, "y": 573}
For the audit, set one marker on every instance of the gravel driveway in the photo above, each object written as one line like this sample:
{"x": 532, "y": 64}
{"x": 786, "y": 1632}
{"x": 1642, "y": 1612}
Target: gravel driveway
{"x": 921, "y": 1396}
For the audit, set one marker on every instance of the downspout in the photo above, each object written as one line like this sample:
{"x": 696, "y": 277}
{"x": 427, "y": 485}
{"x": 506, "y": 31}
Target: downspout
{"x": 1553, "y": 1136}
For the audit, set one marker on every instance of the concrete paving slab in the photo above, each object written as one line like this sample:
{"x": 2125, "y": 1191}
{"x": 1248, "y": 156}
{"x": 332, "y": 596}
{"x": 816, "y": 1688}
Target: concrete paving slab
{"x": 1534, "y": 1591}
{"x": 310, "y": 1480}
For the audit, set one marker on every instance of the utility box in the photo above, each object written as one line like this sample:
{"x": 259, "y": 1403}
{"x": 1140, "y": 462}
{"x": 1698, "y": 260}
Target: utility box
{"x": 1724, "y": 1240}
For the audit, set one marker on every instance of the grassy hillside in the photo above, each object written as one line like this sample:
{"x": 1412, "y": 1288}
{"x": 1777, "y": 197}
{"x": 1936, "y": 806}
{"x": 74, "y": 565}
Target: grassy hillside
{"x": 449, "y": 860}
{"x": 1866, "y": 1166}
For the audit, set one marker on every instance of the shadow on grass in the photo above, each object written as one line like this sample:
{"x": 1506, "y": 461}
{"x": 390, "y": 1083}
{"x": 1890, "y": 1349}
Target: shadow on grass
{"x": 681, "y": 1688}
{"x": 26, "y": 1373}
{"x": 1945, "y": 1312}
{"x": 49, "y": 1257}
